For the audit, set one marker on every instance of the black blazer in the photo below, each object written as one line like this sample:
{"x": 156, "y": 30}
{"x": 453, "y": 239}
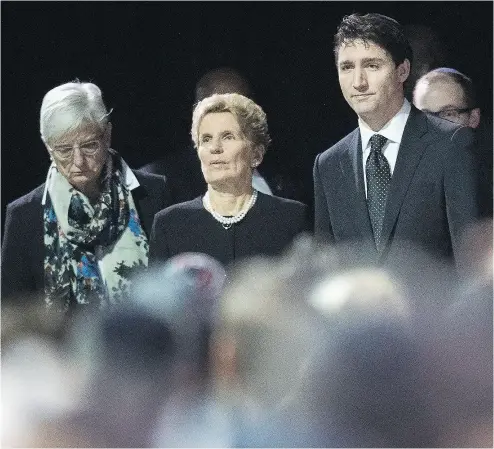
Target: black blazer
{"x": 433, "y": 193}
{"x": 23, "y": 246}
{"x": 182, "y": 170}
{"x": 267, "y": 229}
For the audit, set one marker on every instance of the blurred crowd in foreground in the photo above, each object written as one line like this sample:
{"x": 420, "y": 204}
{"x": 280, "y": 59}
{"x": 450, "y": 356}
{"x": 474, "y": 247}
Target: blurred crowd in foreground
{"x": 305, "y": 350}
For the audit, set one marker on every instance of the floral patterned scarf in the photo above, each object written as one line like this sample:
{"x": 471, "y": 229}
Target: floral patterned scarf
{"x": 91, "y": 251}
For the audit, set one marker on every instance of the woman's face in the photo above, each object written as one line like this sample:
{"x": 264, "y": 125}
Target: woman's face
{"x": 227, "y": 157}
{"x": 81, "y": 155}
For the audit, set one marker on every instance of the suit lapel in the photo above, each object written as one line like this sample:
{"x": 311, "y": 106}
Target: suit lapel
{"x": 409, "y": 154}
{"x": 357, "y": 185}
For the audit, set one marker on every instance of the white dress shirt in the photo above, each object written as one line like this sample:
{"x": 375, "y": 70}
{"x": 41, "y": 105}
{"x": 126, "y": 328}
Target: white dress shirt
{"x": 393, "y": 131}
{"x": 260, "y": 184}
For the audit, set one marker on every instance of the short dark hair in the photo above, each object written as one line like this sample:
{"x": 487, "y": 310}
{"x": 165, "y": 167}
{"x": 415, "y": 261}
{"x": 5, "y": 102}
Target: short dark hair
{"x": 378, "y": 29}
{"x": 223, "y": 80}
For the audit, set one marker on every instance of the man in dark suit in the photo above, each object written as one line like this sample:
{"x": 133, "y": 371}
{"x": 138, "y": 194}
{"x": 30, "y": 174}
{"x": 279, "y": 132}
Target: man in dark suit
{"x": 451, "y": 95}
{"x": 403, "y": 179}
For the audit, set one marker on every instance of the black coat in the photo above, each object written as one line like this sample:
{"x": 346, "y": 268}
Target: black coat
{"x": 23, "y": 248}
{"x": 267, "y": 229}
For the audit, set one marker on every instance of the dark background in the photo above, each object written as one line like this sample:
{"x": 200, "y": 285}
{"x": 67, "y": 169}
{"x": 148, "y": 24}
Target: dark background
{"x": 147, "y": 56}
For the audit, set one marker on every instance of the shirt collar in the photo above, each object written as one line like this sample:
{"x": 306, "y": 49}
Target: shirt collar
{"x": 393, "y": 130}
{"x": 129, "y": 177}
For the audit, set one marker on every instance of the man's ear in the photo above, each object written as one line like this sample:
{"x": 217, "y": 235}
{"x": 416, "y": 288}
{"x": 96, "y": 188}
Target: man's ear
{"x": 474, "y": 119}
{"x": 403, "y": 70}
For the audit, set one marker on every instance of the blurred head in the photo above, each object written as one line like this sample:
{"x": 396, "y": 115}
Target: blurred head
{"x": 264, "y": 336}
{"x": 184, "y": 292}
{"x": 358, "y": 292}
{"x": 223, "y": 80}
{"x": 365, "y": 382}
{"x": 75, "y": 129}
{"x": 429, "y": 52}
{"x": 448, "y": 94}
{"x": 373, "y": 59}
{"x": 231, "y": 135}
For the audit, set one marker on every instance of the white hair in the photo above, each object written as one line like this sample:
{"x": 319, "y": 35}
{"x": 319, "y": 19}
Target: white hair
{"x": 69, "y": 106}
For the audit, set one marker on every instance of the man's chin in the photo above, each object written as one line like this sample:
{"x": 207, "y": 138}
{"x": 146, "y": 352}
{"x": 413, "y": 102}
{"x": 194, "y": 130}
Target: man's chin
{"x": 361, "y": 108}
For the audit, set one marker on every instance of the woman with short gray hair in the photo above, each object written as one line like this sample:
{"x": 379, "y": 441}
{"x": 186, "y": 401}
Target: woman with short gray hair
{"x": 232, "y": 220}
{"x": 79, "y": 238}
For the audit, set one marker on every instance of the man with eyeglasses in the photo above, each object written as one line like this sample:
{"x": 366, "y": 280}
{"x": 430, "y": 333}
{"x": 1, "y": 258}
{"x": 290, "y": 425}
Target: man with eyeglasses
{"x": 450, "y": 95}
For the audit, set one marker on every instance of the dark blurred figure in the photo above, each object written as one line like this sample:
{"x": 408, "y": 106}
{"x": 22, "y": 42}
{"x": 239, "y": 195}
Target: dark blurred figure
{"x": 429, "y": 52}
{"x": 185, "y": 292}
{"x": 262, "y": 344}
{"x": 308, "y": 354}
{"x": 133, "y": 377}
{"x": 366, "y": 385}
{"x": 183, "y": 169}
{"x": 451, "y": 95}
{"x": 462, "y": 349}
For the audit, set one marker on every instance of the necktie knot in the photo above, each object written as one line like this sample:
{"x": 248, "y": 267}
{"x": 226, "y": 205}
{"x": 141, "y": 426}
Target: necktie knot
{"x": 377, "y": 142}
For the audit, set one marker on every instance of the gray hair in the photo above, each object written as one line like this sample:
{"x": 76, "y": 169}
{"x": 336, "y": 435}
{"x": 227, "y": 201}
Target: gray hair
{"x": 250, "y": 116}
{"x": 69, "y": 106}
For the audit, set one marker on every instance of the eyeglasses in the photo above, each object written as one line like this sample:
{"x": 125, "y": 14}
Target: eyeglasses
{"x": 450, "y": 113}
{"x": 65, "y": 152}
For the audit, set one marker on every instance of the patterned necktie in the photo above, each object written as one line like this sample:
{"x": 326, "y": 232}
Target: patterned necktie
{"x": 378, "y": 176}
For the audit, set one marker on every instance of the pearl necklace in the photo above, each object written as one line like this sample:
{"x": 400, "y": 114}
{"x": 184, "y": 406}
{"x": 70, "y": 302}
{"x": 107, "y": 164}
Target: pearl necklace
{"x": 227, "y": 222}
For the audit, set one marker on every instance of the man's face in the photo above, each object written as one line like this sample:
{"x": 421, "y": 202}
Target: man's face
{"x": 445, "y": 99}
{"x": 371, "y": 82}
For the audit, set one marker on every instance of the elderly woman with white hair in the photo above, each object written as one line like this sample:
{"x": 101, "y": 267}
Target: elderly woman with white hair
{"x": 78, "y": 238}
{"x": 232, "y": 220}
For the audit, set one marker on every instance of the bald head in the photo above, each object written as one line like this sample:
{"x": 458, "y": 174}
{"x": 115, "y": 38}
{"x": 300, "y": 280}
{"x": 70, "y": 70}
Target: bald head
{"x": 448, "y": 94}
{"x": 223, "y": 80}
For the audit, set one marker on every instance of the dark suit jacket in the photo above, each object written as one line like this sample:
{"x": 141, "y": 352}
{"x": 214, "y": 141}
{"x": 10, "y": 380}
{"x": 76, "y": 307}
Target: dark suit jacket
{"x": 23, "y": 246}
{"x": 268, "y": 228}
{"x": 483, "y": 144}
{"x": 183, "y": 173}
{"x": 432, "y": 197}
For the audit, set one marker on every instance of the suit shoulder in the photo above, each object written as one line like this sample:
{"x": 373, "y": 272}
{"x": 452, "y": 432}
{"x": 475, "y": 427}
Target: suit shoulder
{"x": 150, "y": 179}
{"x": 453, "y": 131}
{"x": 31, "y": 199}
{"x": 277, "y": 202}
{"x": 283, "y": 201}
{"x": 180, "y": 210}
{"x": 340, "y": 147}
